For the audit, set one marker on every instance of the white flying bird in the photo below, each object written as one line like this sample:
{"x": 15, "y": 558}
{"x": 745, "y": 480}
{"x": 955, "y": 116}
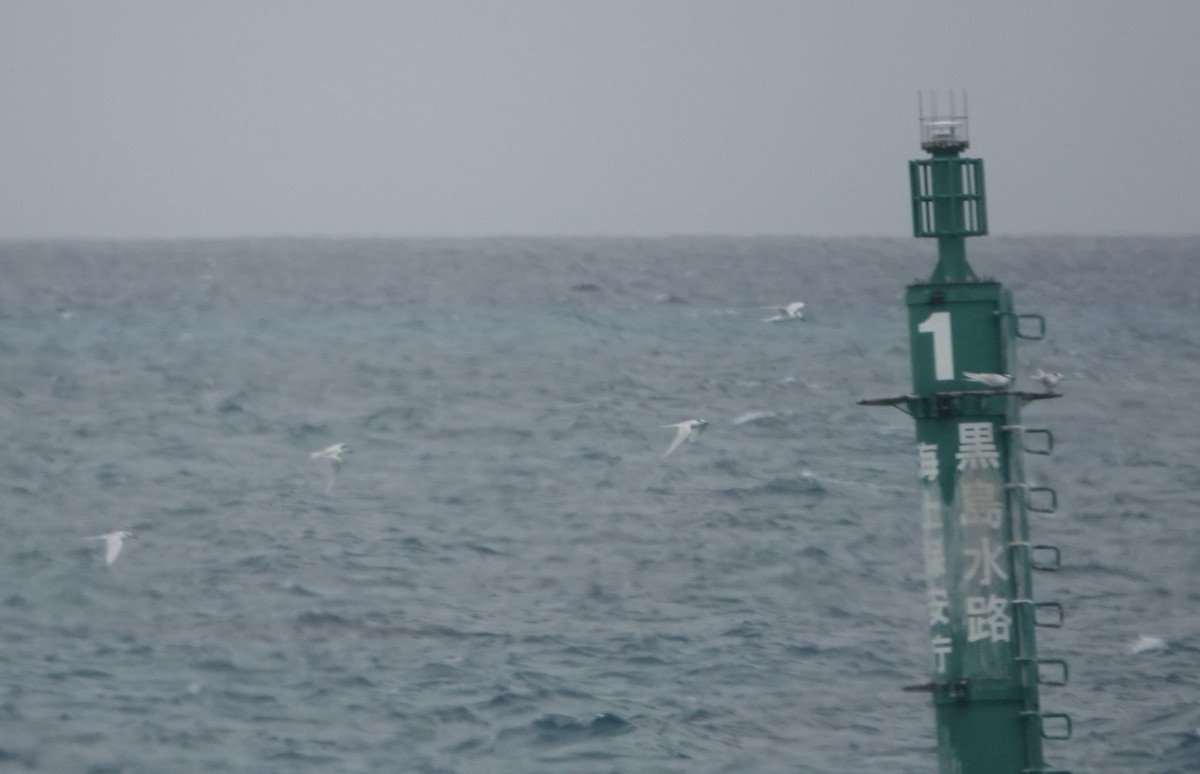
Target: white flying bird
{"x": 1145, "y": 643}
{"x": 333, "y": 456}
{"x": 113, "y": 542}
{"x": 1049, "y": 380}
{"x": 753, "y": 416}
{"x": 688, "y": 430}
{"x": 793, "y": 311}
{"x": 991, "y": 380}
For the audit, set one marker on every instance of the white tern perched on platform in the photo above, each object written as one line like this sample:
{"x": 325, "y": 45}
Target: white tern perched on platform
{"x": 991, "y": 380}
{"x": 1049, "y": 380}
{"x": 688, "y": 430}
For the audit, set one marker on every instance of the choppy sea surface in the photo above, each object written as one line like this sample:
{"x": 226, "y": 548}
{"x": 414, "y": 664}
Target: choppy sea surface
{"x": 508, "y": 577}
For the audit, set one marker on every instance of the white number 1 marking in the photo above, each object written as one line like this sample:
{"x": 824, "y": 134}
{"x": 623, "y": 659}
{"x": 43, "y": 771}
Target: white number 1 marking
{"x": 938, "y": 324}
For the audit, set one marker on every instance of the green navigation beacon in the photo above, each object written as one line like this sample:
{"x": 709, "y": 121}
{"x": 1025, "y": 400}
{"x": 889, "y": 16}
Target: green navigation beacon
{"x": 975, "y": 504}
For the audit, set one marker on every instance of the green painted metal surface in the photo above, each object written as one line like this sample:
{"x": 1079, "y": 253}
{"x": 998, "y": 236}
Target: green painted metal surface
{"x": 975, "y": 504}
{"x": 948, "y": 204}
{"x": 973, "y": 524}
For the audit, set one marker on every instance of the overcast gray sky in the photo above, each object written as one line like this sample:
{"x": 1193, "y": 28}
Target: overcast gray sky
{"x": 217, "y": 118}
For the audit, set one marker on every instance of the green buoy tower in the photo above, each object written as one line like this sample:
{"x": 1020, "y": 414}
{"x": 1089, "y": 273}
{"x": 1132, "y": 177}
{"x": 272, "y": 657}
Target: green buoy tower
{"x": 975, "y": 505}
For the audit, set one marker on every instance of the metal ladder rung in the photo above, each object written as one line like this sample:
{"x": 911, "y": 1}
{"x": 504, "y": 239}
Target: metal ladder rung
{"x": 1056, "y": 562}
{"x": 1041, "y": 321}
{"x": 1058, "y": 662}
{"x": 1054, "y": 567}
{"x": 1055, "y": 606}
{"x": 1033, "y": 431}
{"x": 1042, "y": 716}
{"x": 1053, "y": 662}
{"x": 1029, "y": 490}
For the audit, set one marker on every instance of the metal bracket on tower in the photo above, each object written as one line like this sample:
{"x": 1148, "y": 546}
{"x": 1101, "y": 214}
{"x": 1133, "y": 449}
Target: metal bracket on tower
{"x": 1027, "y": 431}
{"x": 1055, "y": 563}
{"x": 1044, "y": 716}
{"x": 1041, "y": 328}
{"x": 1029, "y": 492}
{"x": 953, "y": 402}
{"x": 1060, "y": 615}
{"x": 1063, "y": 676}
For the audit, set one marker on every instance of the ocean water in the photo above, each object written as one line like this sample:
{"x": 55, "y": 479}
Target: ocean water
{"x": 507, "y": 576}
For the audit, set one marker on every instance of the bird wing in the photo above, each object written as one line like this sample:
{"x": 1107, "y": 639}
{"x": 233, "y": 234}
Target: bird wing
{"x": 681, "y": 433}
{"x": 794, "y": 308}
{"x": 114, "y": 543}
{"x": 328, "y": 453}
